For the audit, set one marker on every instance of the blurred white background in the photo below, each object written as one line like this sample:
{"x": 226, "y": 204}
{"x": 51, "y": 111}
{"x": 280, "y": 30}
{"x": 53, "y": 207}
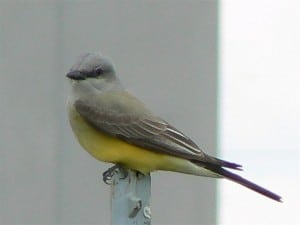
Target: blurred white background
{"x": 260, "y": 108}
{"x": 166, "y": 52}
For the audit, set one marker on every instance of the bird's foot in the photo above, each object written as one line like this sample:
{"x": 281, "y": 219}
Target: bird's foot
{"x": 108, "y": 174}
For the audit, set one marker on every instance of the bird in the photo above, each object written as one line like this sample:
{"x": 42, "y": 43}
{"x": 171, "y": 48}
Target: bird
{"x": 116, "y": 127}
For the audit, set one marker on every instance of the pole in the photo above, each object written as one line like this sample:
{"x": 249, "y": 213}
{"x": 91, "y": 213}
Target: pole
{"x": 130, "y": 198}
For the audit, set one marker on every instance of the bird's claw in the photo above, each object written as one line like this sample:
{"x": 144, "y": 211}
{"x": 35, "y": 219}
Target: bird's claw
{"x": 108, "y": 174}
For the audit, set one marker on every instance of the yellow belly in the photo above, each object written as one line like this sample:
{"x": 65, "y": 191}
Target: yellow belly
{"x": 109, "y": 149}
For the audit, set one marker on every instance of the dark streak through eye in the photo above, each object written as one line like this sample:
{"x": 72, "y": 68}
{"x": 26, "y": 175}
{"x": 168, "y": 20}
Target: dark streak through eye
{"x": 99, "y": 71}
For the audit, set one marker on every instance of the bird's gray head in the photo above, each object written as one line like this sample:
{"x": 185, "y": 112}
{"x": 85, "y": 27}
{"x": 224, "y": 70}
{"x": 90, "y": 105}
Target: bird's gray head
{"x": 93, "y": 70}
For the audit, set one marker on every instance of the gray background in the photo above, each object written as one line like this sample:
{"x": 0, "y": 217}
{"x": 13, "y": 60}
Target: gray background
{"x": 165, "y": 52}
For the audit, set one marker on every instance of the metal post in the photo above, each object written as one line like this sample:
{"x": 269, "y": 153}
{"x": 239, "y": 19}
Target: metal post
{"x": 130, "y": 198}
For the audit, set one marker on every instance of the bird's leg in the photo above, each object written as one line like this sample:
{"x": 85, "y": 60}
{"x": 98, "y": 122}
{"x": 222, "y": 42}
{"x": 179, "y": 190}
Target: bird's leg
{"x": 108, "y": 174}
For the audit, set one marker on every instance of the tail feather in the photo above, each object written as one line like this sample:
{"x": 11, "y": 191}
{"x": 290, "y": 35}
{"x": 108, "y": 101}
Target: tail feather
{"x": 229, "y": 165}
{"x": 217, "y": 162}
{"x": 246, "y": 183}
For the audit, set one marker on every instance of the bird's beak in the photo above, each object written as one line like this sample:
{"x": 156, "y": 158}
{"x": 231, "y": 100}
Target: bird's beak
{"x": 76, "y": 75}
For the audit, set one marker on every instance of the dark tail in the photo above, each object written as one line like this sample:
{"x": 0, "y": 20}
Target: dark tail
{"x": 246, "y": 183}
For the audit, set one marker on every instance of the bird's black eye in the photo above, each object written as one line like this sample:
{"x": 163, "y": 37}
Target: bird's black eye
{"x": 95, "y": 73}
{"x": 99, "y": 71}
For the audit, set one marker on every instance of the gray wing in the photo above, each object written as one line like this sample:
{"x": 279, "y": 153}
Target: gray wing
{"x": 125, "y": 117}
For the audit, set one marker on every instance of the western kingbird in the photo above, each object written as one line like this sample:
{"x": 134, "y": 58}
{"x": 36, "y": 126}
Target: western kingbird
{"x": 114, "y": 126}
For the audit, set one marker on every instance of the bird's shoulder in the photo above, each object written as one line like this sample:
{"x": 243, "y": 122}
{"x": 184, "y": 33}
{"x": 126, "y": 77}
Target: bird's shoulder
{"x": 113, "y": 105}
